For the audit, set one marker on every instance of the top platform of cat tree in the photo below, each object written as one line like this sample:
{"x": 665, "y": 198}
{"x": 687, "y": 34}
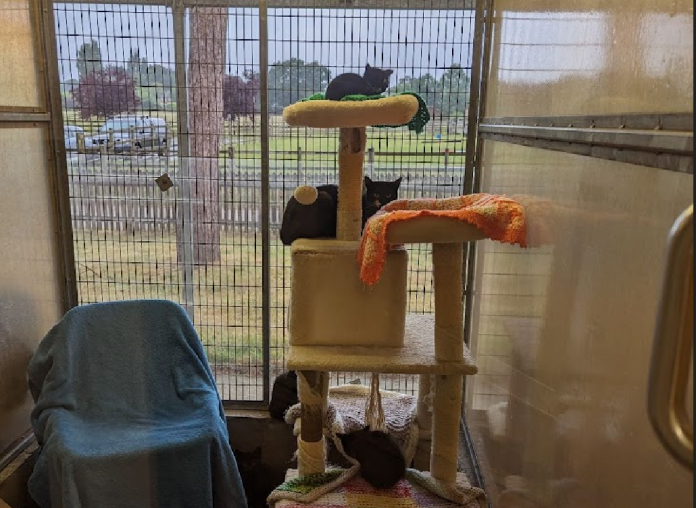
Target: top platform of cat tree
{"x": 325, "y": 114}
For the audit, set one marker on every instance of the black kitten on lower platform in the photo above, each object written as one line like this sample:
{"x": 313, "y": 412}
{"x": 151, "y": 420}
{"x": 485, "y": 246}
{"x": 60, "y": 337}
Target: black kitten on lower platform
{"x": 382, "y": 463}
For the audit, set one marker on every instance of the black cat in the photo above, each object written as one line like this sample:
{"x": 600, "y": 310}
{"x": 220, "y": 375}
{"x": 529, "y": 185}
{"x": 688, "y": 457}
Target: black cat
{"x": 318, "y": 220}
{"x": 257, "y": 477}
{"x": 374, "y": 82}
{"x": 311, "y": 221}
{"x": 378, "y": 194}
{"x": 284, "y": 394}
{"x": 382, "y": 463}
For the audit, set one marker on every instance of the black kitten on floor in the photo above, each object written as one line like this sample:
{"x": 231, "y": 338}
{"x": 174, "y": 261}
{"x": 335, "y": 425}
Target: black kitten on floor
{"x": 256, "y": 476}
{"x": 373, "y": 82}
{"x": 382, "y": 463}
{"x": 378, "y": 194}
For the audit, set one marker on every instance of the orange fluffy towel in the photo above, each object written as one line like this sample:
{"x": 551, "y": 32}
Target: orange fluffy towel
{"x": 498, "y": 217}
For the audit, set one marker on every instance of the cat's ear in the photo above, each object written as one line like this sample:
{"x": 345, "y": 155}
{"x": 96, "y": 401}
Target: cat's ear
{"x": 389, "y": 72}
{"x": 397, "y": 182}
{"x": 367, "y": 67}
{"x": 368, "y": 181}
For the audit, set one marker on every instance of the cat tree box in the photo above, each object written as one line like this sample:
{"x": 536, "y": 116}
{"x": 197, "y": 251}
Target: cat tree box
{"x": 330, "y": 306}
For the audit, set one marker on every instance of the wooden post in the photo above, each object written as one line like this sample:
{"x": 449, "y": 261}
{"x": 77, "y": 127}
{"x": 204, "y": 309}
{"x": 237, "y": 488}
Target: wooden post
{"x": 80, "y": 143}
{"x": 351, "y": 155}
{"x": 131, "y": 140}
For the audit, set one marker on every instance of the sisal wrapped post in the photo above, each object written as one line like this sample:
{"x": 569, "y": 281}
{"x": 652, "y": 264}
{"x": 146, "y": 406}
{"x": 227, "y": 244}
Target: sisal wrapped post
{"x": 351, "y": 154}
{"x": 313, "y": 389}
{"x": 446, "y": 415}
{"x": 424, "y": 417}
{"x": 449, "y": 319}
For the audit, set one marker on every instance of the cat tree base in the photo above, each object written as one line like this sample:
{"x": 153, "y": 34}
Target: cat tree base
{"x": 330, "y": 306}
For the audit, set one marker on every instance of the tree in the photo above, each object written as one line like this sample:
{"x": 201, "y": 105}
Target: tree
{"x": 295, "y": 79}
{"x": 454, "y": 87}
{"x": 208, "y": 28}
{"x": 136, "y": 65}
{"x": 89, "y": 58}
{"x": 239, "y": 95}
{"x": 447, "y": 95}
{"x": 106, "y": 93}
{"x": 426, "y": 86}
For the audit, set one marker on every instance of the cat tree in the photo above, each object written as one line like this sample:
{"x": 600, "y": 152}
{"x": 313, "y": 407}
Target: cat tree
{"x": 338, "y": 324}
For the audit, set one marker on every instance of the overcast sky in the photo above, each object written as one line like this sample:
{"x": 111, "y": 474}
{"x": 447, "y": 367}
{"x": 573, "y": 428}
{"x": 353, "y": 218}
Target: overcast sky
{"x": 408, "y": 41}
{"x": 412, "y": 42}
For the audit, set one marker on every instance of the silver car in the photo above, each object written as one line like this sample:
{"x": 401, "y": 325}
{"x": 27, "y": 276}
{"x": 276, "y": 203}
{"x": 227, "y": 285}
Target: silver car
{"x": 148, "y": 132}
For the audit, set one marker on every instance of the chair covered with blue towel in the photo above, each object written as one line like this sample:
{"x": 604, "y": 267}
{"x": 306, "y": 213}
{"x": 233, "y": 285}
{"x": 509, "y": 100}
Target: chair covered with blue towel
{"x": 127, "y": 413}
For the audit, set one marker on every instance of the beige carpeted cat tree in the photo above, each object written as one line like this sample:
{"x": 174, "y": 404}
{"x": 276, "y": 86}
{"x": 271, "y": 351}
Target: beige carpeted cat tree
{"x": 350, "y": 316}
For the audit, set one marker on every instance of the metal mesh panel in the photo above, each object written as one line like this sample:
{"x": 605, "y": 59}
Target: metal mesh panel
{"x": 201, "y": 242}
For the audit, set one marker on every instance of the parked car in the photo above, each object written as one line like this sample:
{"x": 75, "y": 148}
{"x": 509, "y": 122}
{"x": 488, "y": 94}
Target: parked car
{"x": 149, "y": 132}
{"x": 71, "y": 132}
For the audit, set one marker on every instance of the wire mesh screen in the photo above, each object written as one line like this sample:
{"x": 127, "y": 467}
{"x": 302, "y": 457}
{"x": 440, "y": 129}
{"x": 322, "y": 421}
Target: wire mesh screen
{"x": 148, "y": 92}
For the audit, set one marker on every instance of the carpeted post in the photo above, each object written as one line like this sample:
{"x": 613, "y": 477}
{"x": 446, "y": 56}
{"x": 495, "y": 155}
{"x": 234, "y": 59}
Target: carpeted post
{"x": 449, "y": 311}
{"x": 351, "y": 154}
{"x": 446, "y": 415}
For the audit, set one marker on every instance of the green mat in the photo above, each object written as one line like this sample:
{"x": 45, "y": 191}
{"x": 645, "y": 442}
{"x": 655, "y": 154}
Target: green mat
{"x": 417, "y": 123}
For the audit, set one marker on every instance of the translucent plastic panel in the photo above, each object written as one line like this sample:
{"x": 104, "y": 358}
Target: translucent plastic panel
{"x": 563, "y": 333}
{"x": 584, "y": 57}
{"x": 19, "y": 80}
{"x": 29, "y": 272}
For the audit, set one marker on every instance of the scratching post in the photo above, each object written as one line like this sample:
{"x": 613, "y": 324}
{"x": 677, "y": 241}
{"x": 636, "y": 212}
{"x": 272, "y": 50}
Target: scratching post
{"x": 449, "y": 345}
{"x": 351, "y": 154}
{"x": 313, "y": 387}
{"x": 449, "y": 311}
{"x": 446, "y": 415}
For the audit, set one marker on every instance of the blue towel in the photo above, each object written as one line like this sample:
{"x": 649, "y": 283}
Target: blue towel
{"x": 127, "y": 413}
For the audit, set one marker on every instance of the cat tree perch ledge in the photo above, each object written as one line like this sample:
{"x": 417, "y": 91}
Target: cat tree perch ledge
{"x": 325, "y": 114}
